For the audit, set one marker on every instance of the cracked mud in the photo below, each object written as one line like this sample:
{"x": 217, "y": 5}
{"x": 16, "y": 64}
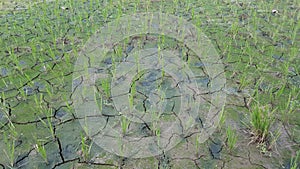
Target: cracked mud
{"x": 145, "y": 109}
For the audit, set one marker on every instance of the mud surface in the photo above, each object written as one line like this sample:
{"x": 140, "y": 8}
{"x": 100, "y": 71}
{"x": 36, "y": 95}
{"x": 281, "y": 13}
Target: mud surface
{"x": 40, "y": 79}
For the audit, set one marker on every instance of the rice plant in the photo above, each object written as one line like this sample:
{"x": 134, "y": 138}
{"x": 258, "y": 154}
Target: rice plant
{"x": 48, "y": 122}
{"x": 132, "y": 94}
{"x": 261, "y": 119}
{"x": 294, "y": 164}
{"x": 105, "y": 84}
{"x": 124, "y": 124}
{"x": 246, "y": 46}
{"x": 40, "y": 147}
{"x": 10, "y": 138}
{"x": 85, "y": 148}
{"x": 231, "y": 138}
{"x": 222, "y": 118}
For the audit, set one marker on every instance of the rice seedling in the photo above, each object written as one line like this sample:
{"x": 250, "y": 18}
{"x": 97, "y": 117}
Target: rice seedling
{"x": 157, "y": 134}
{"x": 132, "y": 92}
{"x": 222, "y": 117}
{"x": 246, "y": 45}
{"x": 10, "y": 138}
{"x": 118, "y": 51}
{"x": 137, "y": 62}
{"x": 105, "y": 84}
{"x": 39, "y": 146}
{"x": 48, "y": 122}
{"x": 287, "y": 103}
{"x": 243, "y": 81}
{"x": 231, "y": 138}
{"x": 7, "y": 114}
{"x": 273, "y": 138}
{"x": 124, "y": 124}
{"x": 261, "y": 119}
{"x": 85, "y": 148}
{"x": 197, "y": 141}
{"x": 294, "y": 164}
{"x": 99, "y": 101}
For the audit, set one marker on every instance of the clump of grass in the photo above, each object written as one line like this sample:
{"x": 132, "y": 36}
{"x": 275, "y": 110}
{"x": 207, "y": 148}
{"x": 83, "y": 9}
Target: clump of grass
{"x": 261, "y": 119}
